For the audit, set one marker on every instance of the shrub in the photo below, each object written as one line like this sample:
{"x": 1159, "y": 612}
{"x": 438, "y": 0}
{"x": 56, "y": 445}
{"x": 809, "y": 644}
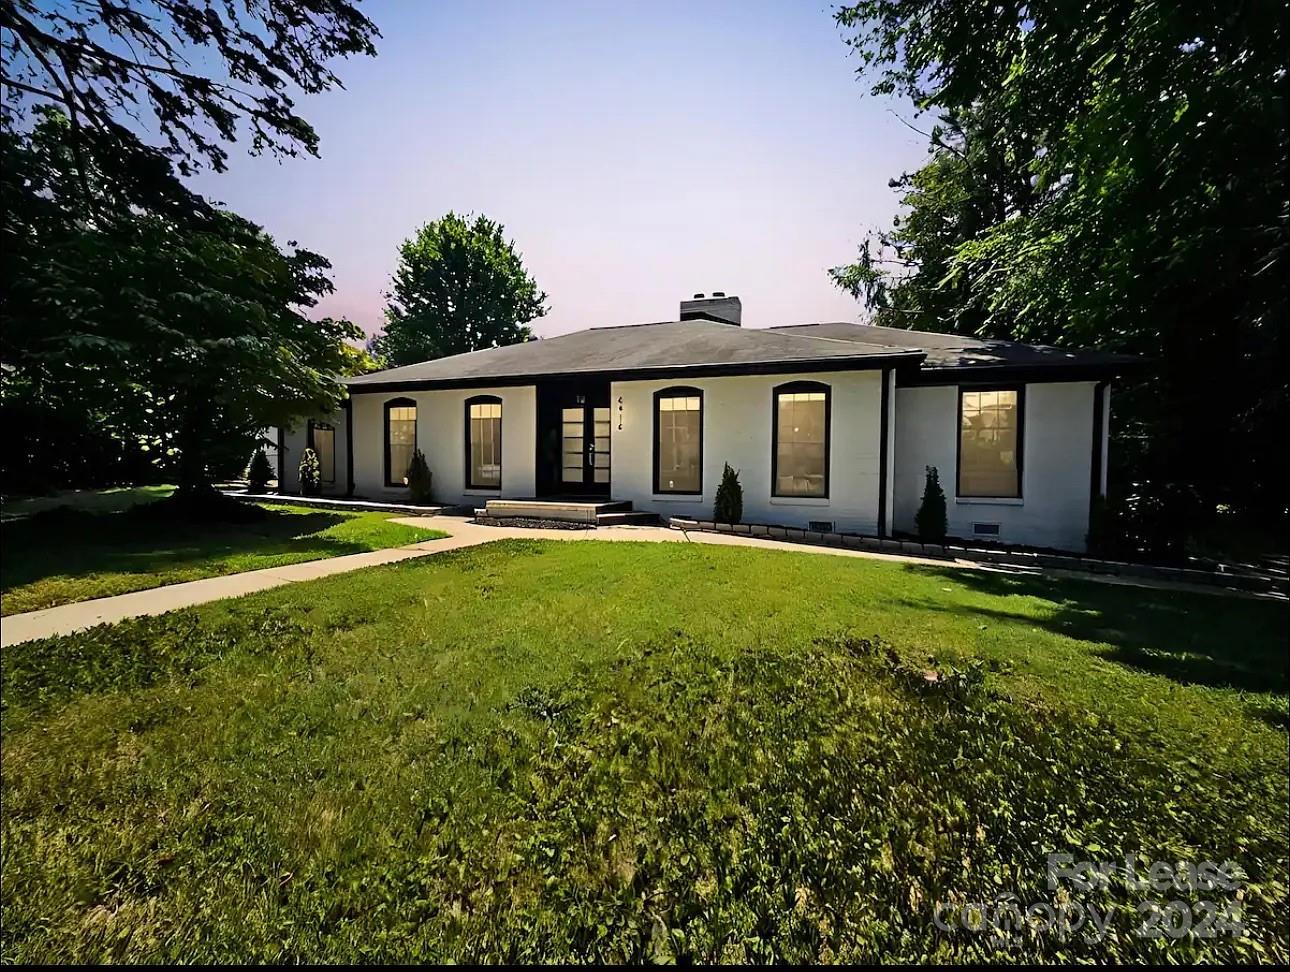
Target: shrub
{"x": 1149, "y": 522}
{"x": 729, "y": 506}
{"x": 259, "y": 473}
{"x": 310, "y": 473}
{"x": 931, "y": 518}
{"x": 419, "y": 478}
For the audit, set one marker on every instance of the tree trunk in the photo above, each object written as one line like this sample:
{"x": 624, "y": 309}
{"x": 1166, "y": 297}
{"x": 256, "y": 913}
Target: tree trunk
{"x": 195, "y": 487}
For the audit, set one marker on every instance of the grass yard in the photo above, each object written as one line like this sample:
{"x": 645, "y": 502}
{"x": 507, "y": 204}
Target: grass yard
{"x": 108, "y": 543}
{"x": 621, "y": 752}
{"x": 113, "y": 500}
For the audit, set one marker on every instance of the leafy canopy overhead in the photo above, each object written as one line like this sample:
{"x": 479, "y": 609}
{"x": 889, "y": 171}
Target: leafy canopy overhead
{"x": 194, "y": 71}
{"x": 460, "y": 286}
{"x": 183, "y": 330}
{"x": 1109, "y": 174}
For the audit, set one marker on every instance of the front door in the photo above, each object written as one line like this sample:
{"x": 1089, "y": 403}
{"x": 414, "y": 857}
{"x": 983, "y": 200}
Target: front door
{"x": 573, "y": 420}
{"x": 584, "y": 446}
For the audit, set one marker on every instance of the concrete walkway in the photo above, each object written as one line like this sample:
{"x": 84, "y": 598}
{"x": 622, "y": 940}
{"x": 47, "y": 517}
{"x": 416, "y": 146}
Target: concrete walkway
{"x": 68, "y": 618}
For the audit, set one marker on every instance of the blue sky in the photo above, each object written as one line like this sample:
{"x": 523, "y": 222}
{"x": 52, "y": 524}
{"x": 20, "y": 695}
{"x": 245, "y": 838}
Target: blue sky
{"x": 636, "y": 153}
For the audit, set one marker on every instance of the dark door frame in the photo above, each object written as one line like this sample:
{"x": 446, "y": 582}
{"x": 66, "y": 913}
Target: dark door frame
{"x": 552, "y": 399}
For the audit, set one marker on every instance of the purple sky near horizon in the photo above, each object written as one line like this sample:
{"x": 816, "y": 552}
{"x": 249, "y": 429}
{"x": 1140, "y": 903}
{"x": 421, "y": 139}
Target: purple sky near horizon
{"x": 635, "y": 153}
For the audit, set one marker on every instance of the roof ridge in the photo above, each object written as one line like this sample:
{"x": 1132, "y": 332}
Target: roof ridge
{"x": 615, "y": 327}
{"x": 819, "y": 337}
{"x": 872, "y": 344}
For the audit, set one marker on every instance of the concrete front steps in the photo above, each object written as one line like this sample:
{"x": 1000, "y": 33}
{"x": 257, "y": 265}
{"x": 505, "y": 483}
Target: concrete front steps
{"x": 590, "y": 512}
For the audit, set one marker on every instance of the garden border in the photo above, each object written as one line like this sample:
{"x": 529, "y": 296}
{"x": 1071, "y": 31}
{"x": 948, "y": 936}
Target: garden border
{"x": 988, "y": 555}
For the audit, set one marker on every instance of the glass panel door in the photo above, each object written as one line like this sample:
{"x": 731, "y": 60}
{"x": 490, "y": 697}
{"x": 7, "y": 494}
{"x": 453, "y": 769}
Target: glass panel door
{"x": 600, "y": 446}
{"x": 572, "y": 444}
{"x": 584, "y": 446}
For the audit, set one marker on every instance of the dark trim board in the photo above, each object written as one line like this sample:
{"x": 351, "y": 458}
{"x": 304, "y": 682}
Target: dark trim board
{"x": 470, "y": 467}
{"x": 994, "y": 375}
{"x": 385, "y": 434}
{"x": 551, "y": 399}
{"x": 812, "y": 366}
{"x": 678, "y": 391}
{"x": 1021, "y": 440}
{"x": 884, "y": 446}
{"x": 282, "y": 449}
{"x": 789, "y": 388}
{"x": 1095, "y": 465}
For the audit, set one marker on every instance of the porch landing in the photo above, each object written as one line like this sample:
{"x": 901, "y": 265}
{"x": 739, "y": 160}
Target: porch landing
{"x": 600, "y": 512}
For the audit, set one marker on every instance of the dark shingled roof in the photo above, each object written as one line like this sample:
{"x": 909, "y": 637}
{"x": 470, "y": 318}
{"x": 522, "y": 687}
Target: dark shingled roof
{"x": 643, "y": 350}
{"x": 704, "y": 347}
{"x": 956, "y": 351}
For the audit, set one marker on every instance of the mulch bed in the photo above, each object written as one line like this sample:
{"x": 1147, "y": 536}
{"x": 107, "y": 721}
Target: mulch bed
{"x": 532, "y": 523}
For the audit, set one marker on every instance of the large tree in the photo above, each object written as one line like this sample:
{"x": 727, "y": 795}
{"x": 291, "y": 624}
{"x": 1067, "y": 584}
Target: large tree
{"x": 178, "y": 329}
{"x": 1109, "y": 174}
{"x": 191, "y": 71}
{"x": 142, "y": 327}
{"x": 460, "y": 286}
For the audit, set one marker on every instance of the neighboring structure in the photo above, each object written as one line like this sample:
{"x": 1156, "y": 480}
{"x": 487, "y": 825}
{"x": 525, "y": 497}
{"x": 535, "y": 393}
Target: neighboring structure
{"x": 826, "y": 423}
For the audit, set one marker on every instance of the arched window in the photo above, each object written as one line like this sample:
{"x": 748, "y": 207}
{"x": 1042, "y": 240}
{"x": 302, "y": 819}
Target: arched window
{"x": 322, "y": 439}
{"x": 484, "y": 442}
{"x": 799, "y": 459}
{"x": 678, "y": 441}
{"x": 400, "y": 439}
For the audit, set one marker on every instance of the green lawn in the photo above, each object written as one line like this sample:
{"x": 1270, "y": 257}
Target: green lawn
{"x": 88, "y": 500}
{"x": 107, "y": 543}
{"x": 616, "y": 751}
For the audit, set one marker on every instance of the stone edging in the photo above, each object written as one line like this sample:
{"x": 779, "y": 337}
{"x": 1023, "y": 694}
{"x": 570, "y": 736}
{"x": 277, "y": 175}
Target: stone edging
{"x": 334, "y": 503}
{"x": 1015, "y": 558}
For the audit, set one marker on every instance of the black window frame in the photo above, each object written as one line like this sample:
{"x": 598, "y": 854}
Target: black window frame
{"x": 787, "y": 389}
{"x": 313, "y": 427}
{"x": 468, "y": 476}
{"x": 678, "y": 391}
{"x": 390, "y": 404}
{"x": 1020, "y": 389}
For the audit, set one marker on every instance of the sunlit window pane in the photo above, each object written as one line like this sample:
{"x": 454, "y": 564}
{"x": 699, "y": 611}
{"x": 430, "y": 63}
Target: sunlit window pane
{"x": 801, "y": 448}
{"x": 678, "y": 425}
{"x": 989, "y": 427}
{"x": 401, "y": 434}
{"x": 485, "y": 445}
{"x": 324, "y": 439}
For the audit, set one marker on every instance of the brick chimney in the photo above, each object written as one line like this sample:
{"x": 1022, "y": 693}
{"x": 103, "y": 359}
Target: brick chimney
{"x": 718, "y": 307}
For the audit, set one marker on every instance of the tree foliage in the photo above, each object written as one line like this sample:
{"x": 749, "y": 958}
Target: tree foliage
{"x": 931, "y": 519}
{"x": 178, "y": 328}
{"x": 419, "y": 478}
{"x": 196, "y": 72}
{"x": 460, "y": 286}
{"x": 259, "y": 472}
{"x": 728, "y": 506}
{"x": 1111, "y": 175}
{"x": 310, "y": 472}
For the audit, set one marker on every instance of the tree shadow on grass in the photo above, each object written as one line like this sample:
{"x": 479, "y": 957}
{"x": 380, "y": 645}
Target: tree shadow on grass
{"x": 1195, "y": 639}
{"x": 77, "y": 544}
